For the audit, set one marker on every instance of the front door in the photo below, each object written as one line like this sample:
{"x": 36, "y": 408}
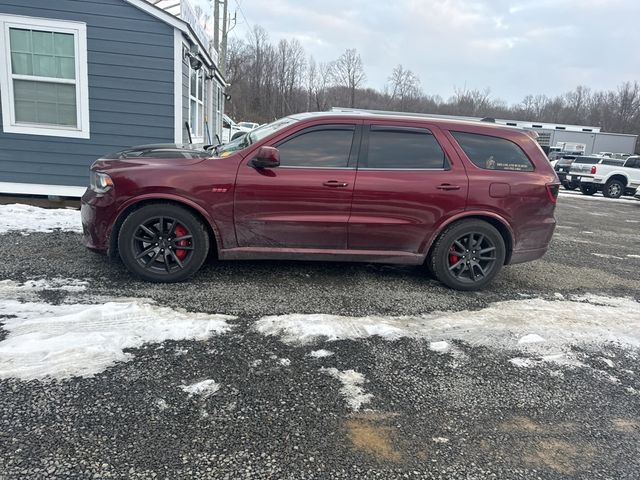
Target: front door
{"x": 306, "y": 201}
{"x": 409, "y": 181}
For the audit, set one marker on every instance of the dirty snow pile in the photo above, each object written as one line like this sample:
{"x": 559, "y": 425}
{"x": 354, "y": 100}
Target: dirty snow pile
{"x": 204, "y": 388}
{"x": 9, "y": 288}
{"x": 61, "y": 341}
{"x": 25, "y": 218}
{"x": 536, "y": 326}
{"x": 351, "y": 389}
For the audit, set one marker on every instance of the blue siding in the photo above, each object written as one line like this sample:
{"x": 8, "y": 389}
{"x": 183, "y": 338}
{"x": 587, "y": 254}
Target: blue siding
{"x": 130, "y": 66}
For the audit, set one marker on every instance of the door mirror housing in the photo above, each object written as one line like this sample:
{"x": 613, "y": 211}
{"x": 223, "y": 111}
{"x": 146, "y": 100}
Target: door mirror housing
{"x": 267, "y": 157}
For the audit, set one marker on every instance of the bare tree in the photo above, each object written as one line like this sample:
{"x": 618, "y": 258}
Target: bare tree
{"x": 348, "y": 72}
{"x": 404, "y": 86}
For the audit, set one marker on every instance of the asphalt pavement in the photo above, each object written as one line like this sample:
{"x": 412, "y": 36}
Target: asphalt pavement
{"x": 282, "y": 413}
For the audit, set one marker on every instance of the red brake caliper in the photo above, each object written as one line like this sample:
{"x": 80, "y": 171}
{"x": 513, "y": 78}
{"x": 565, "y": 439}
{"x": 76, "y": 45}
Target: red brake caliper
{"x": 181, "y": 231}
{"x": 453, "y": 258}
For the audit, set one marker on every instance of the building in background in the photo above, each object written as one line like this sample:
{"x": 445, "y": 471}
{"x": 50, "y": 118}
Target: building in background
{"x": 82, "y": 79}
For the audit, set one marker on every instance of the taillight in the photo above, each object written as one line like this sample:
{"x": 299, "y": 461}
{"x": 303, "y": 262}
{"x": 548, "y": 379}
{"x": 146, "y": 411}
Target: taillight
{"x": 593, "y": 170}
{"x": 552, "y": 190}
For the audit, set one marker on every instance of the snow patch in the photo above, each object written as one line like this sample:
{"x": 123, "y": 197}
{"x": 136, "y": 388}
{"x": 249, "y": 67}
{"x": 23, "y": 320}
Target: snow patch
{"x": 62, "y": 341}
{"x": 9, "y": 288}
{"x": 582, "y": 320}
{"x": 205, "y": 388}
{"x": 351, "y": 390}
{"x": 531, "y": 338}
{"x": 26, "y": 218}
{"x": 285, "y": 362}
{"x": 605, "y": 255}
{"x": 440, "y": 440}
{"x": 440, "y": 347}
{"x": 322, "y": 353}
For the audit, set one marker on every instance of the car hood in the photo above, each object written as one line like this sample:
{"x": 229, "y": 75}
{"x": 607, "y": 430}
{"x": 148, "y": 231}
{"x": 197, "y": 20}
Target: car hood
{"x": 106, "y": 164}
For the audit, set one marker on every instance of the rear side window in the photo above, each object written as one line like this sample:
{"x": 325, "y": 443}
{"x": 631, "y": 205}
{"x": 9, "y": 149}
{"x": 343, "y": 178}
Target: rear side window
{"x": 588, "y": 160}
{"x": 320, "y": 148}
{"x": 612, "y": 161}
{"x": 404, "y": 149}
{"x": 493, "y": 153}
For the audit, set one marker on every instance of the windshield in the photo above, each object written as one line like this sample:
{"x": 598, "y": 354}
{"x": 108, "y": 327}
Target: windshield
{"x": 252, "y": 137}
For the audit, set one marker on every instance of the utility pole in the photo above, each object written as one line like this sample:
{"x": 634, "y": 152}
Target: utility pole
{"x": 223, "y": 50}
{"x": 216, "y": 25}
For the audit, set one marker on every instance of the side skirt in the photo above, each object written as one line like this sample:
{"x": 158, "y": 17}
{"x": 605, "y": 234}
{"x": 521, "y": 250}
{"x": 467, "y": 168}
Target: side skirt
{"x": 316, "y": 254}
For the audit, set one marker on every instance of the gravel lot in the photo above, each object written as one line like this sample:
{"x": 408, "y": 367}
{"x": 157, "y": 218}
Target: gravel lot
{"x": 467, "y": 413}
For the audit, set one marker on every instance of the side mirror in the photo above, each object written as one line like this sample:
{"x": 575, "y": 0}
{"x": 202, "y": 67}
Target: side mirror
{"x": 267, "y": 157}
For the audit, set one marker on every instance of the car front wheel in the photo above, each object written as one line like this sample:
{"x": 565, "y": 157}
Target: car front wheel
{"x": 163, "y": 243}
{"x": 468, "y": 255}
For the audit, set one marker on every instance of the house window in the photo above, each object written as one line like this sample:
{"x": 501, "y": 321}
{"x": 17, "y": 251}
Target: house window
{"x": 43, "y": 77}
{"x": 196, "y": 104}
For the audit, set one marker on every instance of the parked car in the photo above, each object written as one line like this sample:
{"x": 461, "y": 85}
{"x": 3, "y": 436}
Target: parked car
{"x": 562, "y": 167}
{"x": 249, "y": 125}
{"x": 461, "y": 198}
{"x": 614, "y": 177}
{"x": 231, "y": 130}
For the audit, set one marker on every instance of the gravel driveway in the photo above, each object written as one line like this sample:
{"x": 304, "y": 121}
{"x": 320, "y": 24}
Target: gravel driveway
{"x": 236, "y": 375}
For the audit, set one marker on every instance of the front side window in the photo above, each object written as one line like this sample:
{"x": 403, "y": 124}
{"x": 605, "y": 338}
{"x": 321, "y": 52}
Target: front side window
{"x": 404, "y": 149}
{"x": 196, "y": 103}
{"x": 44, "y": 80}
{"x": 319, "y": 148}
{"x": 493, "y": 153}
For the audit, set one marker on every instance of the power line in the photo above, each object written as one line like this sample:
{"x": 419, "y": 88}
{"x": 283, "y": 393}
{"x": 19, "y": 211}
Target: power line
{"x": 243, "y": 15}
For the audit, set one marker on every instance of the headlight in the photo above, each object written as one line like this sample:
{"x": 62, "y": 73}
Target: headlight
{"x": 100, "y": 182}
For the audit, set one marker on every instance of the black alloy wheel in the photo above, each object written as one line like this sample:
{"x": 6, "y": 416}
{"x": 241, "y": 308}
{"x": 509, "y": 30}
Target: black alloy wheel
{"x": 472, "y": 257}
{"x": 163, "y": 243}
{"x": 467, "y": 255}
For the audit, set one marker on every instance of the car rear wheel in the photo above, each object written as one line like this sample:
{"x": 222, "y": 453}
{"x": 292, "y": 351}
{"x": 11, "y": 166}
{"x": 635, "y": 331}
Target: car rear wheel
{"x": 569, "y": 186}
{"x": 588, "y": 189}
{"x": 613, "y": 189}
{"x": 163, "y": 243}
{"x": 467, "y": 255}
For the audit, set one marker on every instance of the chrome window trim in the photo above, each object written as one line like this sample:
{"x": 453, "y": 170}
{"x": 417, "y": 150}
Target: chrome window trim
{"x": 407, "y": 169}
{"x": 316, "y": 168}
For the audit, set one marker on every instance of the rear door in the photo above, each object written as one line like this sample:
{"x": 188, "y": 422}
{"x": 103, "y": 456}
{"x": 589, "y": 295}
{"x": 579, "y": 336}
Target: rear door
{"x": 409, "y": 181}
{"x": 305, "y": 202}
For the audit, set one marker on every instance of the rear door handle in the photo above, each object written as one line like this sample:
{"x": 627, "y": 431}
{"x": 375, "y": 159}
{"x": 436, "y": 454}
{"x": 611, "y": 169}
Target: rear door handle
{"x": 335, "y": 183}
{"x": 447, "y": 186}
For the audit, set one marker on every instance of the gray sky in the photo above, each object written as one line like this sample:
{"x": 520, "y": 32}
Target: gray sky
{"x": 513, "y": 47}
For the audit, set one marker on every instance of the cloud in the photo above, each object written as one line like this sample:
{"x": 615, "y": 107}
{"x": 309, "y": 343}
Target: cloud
{"x": 515, "y": 48}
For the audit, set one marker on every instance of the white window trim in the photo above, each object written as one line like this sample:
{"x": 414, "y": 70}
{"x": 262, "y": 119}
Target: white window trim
{"x": 194, "y": 96}
{"x": 79, "y": 31}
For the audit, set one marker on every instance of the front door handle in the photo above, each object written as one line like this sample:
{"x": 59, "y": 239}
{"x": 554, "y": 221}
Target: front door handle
{"x": 447, "y": 186}
{"x": 335, "y": 183}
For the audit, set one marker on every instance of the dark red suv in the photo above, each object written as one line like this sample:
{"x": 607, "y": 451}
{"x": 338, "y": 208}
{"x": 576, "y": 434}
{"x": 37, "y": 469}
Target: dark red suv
{"x": 462, "y": 198}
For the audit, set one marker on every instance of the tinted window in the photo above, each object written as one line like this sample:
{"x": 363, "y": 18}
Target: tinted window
{"x": 404, "y": 149}
{"x": 588, "y": 160}
{"x": 493, "y": 153}
{"x": 633, "y": 163}
{"x": 317, "y": 148}
{"x": 612, "y": 161}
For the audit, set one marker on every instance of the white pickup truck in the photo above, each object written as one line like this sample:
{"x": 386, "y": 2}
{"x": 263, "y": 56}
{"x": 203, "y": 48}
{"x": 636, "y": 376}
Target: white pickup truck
{"x": 614, "y": 177}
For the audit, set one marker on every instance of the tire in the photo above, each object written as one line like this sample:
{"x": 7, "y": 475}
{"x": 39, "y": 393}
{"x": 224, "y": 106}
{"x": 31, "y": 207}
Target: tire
{"x": 613, "y": 189}
{"x": 171, "y": 263}
{"x": 569, "y": 186}
{"x": 442, "y": 261}
{"x": 588, "y": 189}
